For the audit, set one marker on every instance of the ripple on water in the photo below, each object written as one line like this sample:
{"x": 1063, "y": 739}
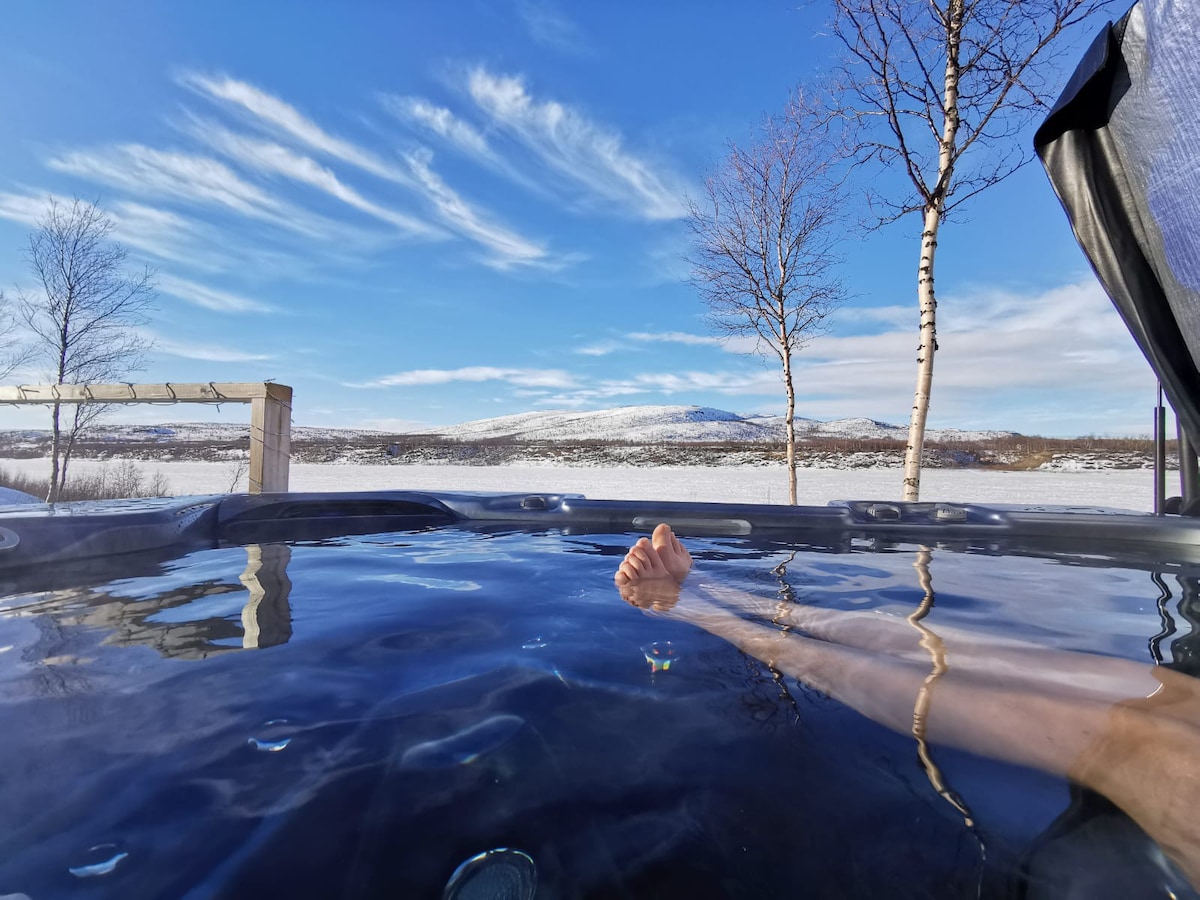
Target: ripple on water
{"x": 463, "y": 747}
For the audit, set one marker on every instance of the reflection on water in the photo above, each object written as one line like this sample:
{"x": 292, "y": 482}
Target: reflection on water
{"x": 266, "y": 617}
{"x": 172, "y": 620}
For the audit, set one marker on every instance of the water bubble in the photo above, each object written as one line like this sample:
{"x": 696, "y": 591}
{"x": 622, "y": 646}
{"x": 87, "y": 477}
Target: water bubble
{"x": 99, "y": 860}
{"x": 462, "y": 747}
{"x": 536, "y": 644}
{"x": 500, "y": 874}
{"x": 660, "y": 655}
{"x": 272, "y": 736}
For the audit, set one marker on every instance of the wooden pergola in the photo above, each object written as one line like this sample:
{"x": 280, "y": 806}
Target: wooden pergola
{"x": 270, "y": 414}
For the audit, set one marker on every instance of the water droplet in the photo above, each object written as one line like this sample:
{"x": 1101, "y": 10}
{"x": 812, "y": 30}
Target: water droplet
{"x": 660, "y": 655}
{"x": 462, "y": 747}
{"x": 272, "y": 736}
{"x": 99, "y": 860}
{"x": 500, "y": 874}
{"x": 536, "y": 644}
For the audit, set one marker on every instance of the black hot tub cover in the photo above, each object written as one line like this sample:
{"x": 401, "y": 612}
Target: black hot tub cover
{"x": 1122, "y": 149}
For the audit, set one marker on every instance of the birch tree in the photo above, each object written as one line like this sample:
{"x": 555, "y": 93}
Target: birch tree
{"x": 938, "y": 92}
{"x": 83, "y": 318}
{"x": 764, "y": 241}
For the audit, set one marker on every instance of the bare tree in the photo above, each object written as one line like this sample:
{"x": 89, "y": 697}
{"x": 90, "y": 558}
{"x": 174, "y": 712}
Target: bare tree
{"x": 763, "y": 244}
{"x": 938, "y": 92}
{"x": 85, "y": 315}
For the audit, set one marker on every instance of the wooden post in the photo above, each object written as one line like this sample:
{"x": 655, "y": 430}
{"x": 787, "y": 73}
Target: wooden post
{"x": 270, "y": 439}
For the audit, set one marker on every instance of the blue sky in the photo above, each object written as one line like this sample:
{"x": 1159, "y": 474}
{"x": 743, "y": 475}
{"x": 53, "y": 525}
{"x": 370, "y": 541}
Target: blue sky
{"x": 421, "y": 214}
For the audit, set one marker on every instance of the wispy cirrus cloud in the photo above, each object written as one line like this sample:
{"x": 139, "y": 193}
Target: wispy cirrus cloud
{"x": 280, "y": 115}
{"x": 675, "y": 337}
{"x": 28, "y": 209}
{"x": 631, "y": 340}
{"x": 210, "y": 298}
{"x": 183, "y": 176}
{"x": 551, "y": 27}
{"x": 203, "y": 352}
{"x": 507, "y": 248}
{"x": 160, "y": 233}
{"x": 538, "y": 378}
{"x": 442, "y": 122}
{"x": 579, "y": 149}
{"x": 275, "y": 159}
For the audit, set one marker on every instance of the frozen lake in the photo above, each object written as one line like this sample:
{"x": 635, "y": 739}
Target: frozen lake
{"x": 1121, "y": 489}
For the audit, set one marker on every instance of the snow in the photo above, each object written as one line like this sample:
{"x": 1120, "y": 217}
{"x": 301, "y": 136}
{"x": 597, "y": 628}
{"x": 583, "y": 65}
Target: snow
{"x": 679, "y": 423}
{"x": 1119, "y": 489}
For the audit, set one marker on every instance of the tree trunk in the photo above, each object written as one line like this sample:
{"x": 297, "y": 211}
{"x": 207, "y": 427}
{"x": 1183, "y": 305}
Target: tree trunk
{"x": 789, "y": 422}
{"x": 66, "y": 454}
{"x": 934, "y": 204}
{"x": 55, "y": 438}
{"x": 925, "y": 353}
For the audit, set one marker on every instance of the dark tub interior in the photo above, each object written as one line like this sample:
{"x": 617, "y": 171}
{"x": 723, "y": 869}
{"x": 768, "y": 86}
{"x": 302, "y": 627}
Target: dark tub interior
{"x": 350, "y": 695}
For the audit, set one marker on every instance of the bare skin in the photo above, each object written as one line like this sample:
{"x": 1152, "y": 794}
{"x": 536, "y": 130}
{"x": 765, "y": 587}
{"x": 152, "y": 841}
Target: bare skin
{"x": 1128, "y": 731}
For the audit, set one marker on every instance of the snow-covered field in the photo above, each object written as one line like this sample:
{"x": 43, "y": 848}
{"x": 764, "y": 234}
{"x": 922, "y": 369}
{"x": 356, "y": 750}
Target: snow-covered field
{"x": 1121, "y": 489}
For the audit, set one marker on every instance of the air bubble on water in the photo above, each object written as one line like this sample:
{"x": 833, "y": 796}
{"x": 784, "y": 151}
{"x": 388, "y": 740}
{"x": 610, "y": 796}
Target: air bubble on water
{"x": 660, "y": 655}
{"x": 99, "y": 860}
{"x": 272, "y": 736}
{"x": 535, "y": 644}
{"x": 500, "y": 873}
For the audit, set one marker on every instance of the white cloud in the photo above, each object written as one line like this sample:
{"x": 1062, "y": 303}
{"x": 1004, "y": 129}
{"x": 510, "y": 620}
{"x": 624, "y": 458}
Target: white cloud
{"x": 27, "y": 209}
{"x": 209, "y": 298}
{"x": 273, "y": 158}
{"x": 144, "y": 170}
{"x": 547, "y": 378}
{"x": 603, "y": 349}
{"x": 579, "y": 149}
{"x": 1063, "y": 349}
{"x": 441, "y": 122}
{"x": 675, "y": 337}
{"x": 550, "y": 26}
{"x": 282, "y": 116}
{"x": 507, "y": 248}
{"x": 204, "y": 352}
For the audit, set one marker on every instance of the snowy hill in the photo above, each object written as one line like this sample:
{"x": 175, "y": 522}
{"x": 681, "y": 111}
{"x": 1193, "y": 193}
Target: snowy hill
{"x": 626, "y": 424}
{"x": 682, "y": 424}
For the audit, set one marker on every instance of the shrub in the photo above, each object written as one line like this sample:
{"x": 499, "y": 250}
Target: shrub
{"x": 122, "y": 481}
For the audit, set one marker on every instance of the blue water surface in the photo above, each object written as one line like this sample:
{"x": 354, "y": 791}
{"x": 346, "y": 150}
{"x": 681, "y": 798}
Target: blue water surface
{"x": 356, "y": 717}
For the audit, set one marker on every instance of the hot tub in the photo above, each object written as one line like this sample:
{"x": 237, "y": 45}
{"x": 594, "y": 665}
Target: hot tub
{"x": 352, "y": 695}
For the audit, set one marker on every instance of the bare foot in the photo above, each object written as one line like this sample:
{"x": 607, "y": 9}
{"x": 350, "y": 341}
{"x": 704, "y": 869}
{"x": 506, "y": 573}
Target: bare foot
{"x": 651, "y": 572}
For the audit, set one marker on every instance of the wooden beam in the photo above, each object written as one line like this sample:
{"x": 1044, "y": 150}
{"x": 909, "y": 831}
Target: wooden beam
{"x": 207, "y": 392}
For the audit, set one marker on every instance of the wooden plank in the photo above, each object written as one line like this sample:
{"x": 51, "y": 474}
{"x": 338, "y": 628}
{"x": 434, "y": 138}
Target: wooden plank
{"x": 206, "y": 392}
{"x": 270, "y": 440}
